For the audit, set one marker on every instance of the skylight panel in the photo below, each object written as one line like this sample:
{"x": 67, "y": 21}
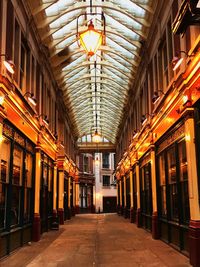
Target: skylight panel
{"x": 77, "y": 75}
{"x": 123, "y": 65}
{"x": 64, "y": 30}
{"x": 118, "y": 58}
{"x": 65, "y": 43}
{"x": 75, "y": 71}
{"x": 74, "y": 63}
{"x": 122, "y": 41}
{"x": 132, "y": 8}
{"x": 121, "y": 28}
{"x": 64, "y": 19}
{"x": 58, "y": 7}
{"x": 109, "y": 72}
{"x": 119, "y": 48}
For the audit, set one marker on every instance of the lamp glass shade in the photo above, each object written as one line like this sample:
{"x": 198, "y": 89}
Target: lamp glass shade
{"x": 32, "y": 100}
{"x": 177, "y": 62}
{"x": 91, "y": 40}
{"x": 2, "y": 97}
{"x": 96, "y": 137}
{"x": 9, "y": 66}
{"x": 46, "y": 121}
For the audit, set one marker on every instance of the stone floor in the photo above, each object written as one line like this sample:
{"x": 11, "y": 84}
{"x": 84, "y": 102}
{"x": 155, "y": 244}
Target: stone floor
{"x": 97, "y": 241}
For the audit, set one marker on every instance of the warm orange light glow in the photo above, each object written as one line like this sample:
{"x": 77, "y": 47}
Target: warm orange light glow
{"x": 185, "y": 99}
{"x": 98, "y": 195}
{"x": 96, "y": 137}
{"x": 2, "y": 97}
{"x": 91, "y": 40}
{"x": 187, "y": 137}
{"x": 1, "y": 138}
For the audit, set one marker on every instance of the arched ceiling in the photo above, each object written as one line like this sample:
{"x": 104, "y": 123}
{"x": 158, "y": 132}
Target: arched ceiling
{"x": 127, "y": 24}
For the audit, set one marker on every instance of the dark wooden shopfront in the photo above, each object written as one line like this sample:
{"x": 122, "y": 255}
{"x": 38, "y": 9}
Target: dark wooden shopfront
{"x": 146, "y": 192}
{"x": 172, "y": 187}
{"x": 17, "y": 161}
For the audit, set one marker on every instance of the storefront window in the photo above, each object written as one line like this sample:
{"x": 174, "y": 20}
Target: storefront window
{"x": 16, "y": 185}
{"x": 50, "y": 192}
{"x": 3, "y": 191}
{"x": 162, "y": 185}
{"x": 184, "y": 181}
{"x": 171, "y": 164}
{"x": 28, "y": 188}
{"x": 4, "y": 179}
{"x": 146, "y": 190}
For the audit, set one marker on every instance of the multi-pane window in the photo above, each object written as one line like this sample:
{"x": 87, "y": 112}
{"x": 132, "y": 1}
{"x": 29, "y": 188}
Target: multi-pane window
{"x": 106, "y": 180}
{"x": 105, "y": 163}
{"x": 46, "y": 190}
{"x": 16, "y": 50}
{"x": 23, "y": 68}
{"x": 85, "y": 164}
{"x": 171, "y": 172}
{"x": 146, "y": 191}
{"x": 28, "y": 187}
{"x": 16, "y": 185}
{"x": 4, "y": 179}
{"x": 184, "y": 181}
{"x": 50, "y": 190}
{"x": 162, "y": 177}
{"x": 173, "y": 178}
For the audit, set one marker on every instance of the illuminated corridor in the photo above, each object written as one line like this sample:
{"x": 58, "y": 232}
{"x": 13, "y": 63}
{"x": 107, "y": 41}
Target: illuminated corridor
{"x": 97, "y": 240}
{"x": 100, "y": 114}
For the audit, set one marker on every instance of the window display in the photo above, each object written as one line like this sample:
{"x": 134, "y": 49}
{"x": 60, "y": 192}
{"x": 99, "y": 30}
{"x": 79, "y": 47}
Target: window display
{"x": 4, "y": 179}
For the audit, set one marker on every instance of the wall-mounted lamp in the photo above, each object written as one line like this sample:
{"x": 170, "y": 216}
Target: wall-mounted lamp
{"x": 144, "y": 118}
{"x": 135, "y": 134}
{"x": 2, "y": 98}
{"x": 156, "y": 96}
{"x": 44, "y": 119}
{"x": 31, "y": 98}
{"x": 178, "y": 59}
{"x": 10, "y": 66}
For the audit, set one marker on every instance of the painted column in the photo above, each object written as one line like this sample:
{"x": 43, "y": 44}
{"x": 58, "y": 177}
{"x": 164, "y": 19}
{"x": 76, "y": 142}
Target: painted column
{"x": 194, "y": 227}
{"x": 55, "y": 224}
{"x": 36, "y": 219}
{"x": 61, "y": 196}
{"x": 74, "y": 198}
{"x": 118, "y": 197}
{"x": 125, "y": 207}
{"x": 155, "y": 231}
{"x": 138, "y": 215}
{"x": 69, "y": 200}
{"x": 77, "y": 198}
{"x": 55, "y": 189}
{"x": 120, "y": 191}
{"x": 131, "y": 195}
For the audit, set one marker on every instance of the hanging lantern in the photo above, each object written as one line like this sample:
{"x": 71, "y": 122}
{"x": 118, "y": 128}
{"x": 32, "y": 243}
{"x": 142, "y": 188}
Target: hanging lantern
{"x": 96, "y": 137}
{"x": 91, "y": 39}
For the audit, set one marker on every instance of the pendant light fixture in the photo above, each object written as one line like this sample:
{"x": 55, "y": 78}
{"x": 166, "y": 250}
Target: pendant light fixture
{"x": 91, "y": 39}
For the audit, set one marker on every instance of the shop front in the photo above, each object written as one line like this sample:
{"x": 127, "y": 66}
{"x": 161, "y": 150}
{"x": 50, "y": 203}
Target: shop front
{"x": 133, "y": 211}
{"x": 17, "y": 160}
{"x": 46, "y": 192}
{"x": 172, "y": 186}
{"x": 146, "y": 192}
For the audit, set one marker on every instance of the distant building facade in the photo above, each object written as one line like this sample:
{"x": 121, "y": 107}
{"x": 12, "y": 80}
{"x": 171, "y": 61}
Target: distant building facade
{"x": 105, "y": 197}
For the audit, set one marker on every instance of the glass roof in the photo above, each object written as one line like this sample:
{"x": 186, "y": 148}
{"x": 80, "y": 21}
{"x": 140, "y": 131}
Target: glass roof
{"x": 126, "y": 25}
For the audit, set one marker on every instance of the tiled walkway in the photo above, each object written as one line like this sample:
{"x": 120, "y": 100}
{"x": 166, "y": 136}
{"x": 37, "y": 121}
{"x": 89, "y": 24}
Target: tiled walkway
{"x": 96, "y": 241}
